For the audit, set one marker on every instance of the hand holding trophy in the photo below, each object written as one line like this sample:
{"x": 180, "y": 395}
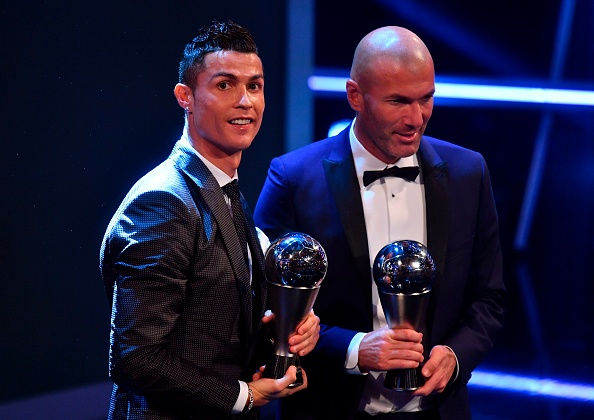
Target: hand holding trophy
{"x": 295, "y": 266}
{"x": 404, "y": 272}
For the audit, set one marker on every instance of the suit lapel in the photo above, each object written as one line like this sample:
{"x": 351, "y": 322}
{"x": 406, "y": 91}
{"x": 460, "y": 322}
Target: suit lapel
{"x": 213, "y": 197}
{"x": 258, "y": 276}
{"x": 260, "y": 293}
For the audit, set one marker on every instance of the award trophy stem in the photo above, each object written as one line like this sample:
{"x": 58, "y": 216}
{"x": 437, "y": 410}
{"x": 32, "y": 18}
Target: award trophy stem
{"x": 405, "y": 310}
{"x": 277, "y": 367}
{"x": 404, "y": 379}
{"x": 290, "y": 306}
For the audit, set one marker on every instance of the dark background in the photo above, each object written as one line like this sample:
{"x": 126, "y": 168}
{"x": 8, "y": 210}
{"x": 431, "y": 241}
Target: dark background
{"x": 87, "y": 107}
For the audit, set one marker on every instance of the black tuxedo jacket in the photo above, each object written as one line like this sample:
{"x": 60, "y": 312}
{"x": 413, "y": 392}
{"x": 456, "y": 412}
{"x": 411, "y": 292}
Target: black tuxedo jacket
{"x": 314, "y": 190}
{"x": 184, "y": 326}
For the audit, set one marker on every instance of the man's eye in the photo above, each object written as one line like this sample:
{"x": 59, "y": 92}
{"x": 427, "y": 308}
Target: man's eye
{"x": 223, "y": 85}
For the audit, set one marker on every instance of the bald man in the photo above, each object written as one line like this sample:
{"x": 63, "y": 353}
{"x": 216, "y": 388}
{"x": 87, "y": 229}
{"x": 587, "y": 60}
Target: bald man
{"x": 446, "y": 204}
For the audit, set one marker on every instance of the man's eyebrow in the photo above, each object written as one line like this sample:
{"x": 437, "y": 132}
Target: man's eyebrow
{"x": 402, "y": 96}
{"x": 234, "y": 77}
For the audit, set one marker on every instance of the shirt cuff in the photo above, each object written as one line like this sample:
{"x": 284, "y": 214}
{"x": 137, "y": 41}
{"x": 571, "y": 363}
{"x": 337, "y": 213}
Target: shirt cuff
{"x": 351, "y": 364}
{"x": 243, "y": 395}
{"x": 457, "y": 371}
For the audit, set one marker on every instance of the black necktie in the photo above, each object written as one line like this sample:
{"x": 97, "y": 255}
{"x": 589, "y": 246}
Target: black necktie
{"x": 409, "y": 173}
{"x": 232, "y": 191}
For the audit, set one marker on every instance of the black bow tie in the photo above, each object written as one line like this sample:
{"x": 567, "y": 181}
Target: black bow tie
{"x": 409, "y": 173}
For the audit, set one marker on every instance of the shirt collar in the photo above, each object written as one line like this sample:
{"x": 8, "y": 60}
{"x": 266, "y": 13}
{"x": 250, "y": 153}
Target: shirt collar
{"x": 365, "y": 161}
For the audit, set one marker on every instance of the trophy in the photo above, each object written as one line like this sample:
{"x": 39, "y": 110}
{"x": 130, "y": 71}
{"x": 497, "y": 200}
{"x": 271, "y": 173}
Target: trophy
{"x": 295, "y": 265}
{"x": 404, "y": 272}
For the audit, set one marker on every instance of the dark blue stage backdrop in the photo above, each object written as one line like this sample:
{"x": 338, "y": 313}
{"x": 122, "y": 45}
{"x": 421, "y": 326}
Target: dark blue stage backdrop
{"x": 87, "y": 106}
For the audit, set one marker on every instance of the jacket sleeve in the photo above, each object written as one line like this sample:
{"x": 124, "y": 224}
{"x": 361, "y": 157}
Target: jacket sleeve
{"x": 482, "y": 300}
{"x": 147, "y": 255}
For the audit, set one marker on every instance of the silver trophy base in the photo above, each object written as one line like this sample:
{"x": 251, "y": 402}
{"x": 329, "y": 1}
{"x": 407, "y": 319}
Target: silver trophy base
{"x": 277, "y": 367}
{"x": 404, "y": 379}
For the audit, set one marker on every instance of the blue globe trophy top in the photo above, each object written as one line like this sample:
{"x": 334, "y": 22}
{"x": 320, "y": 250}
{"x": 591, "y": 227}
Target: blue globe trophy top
{"x": 404, "y": 272}
{"x": 295, "y": 265}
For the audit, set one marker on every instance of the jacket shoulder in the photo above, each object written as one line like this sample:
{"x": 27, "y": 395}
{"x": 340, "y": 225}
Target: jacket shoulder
{"x": 450, "y": 152}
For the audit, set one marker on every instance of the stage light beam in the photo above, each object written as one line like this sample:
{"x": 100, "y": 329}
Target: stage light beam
{"x": 479, "y": 92}
{"x": 531, "y": 385}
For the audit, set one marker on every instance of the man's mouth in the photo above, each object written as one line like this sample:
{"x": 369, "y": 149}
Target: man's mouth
{"x": 241, "y": 121}
{"x": 409, "y": 136}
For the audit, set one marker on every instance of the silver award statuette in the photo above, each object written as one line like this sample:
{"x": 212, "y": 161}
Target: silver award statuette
{"x": 404, "y": 272}
{"x": 295, "y": 266}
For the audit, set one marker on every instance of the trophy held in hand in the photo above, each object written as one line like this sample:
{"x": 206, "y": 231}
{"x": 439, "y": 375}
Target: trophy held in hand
{"x": 295, "y": 265}
{"x": 404, "y": 272}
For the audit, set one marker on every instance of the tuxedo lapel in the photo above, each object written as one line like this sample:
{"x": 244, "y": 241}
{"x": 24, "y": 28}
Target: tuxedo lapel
{"x": 342, "y": 178}
{"x": 435, "y": 177}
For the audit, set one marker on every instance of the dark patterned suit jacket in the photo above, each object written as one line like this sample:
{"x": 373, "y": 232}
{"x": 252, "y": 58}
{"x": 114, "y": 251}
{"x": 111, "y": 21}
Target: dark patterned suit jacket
{"x": 314, "y": 190}
{"x": 184, "y": 326}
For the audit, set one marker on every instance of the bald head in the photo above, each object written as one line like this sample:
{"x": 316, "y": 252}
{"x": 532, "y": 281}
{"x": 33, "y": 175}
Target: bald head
{"x": 391, "y": 90}
{"x": 398, "y": 46}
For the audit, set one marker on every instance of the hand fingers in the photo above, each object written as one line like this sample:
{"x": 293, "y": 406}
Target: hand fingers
{"x": 303, "y": 344}
{"x": 259, "y": 374}
{"x": 437, "y": 377}
{"x": 433, "y": 385}
{"x": 300, "y": 387}
{"x": 289, "y": 378}
{"x": 405, "y": 334}
{"x": 268, "y": 317}
{"x": 306, "y": 336}
{"x": 311, "y": 322}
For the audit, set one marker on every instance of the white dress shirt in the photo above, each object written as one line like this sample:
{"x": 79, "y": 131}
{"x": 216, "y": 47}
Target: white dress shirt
{"x": 394, "y": 210}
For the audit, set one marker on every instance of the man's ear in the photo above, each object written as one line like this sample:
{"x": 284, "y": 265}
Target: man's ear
{"x": 354, "y": 95}
{"x": 184, "y": 96}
